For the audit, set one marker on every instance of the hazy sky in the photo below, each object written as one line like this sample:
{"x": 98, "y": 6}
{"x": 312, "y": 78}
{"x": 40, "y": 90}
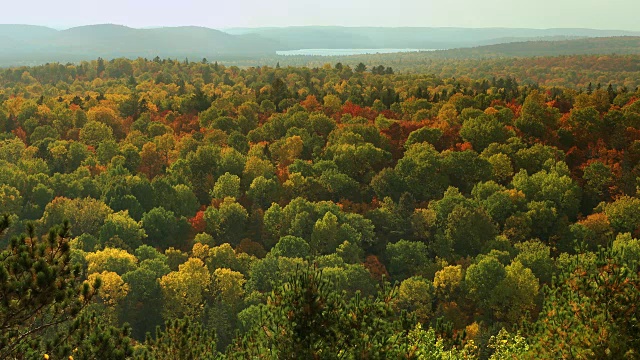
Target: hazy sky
{"x": 599, "y": 14}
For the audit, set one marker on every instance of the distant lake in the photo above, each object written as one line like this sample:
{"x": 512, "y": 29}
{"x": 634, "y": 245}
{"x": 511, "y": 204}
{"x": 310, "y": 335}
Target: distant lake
{"x": 340, "y": 52}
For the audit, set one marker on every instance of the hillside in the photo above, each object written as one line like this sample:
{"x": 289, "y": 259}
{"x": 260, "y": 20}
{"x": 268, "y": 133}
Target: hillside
{"x": 597, "y": 45}
{"x": 334, "y": 37}
{"x": 30, "y": 44}
{"x": 571, "y": 63}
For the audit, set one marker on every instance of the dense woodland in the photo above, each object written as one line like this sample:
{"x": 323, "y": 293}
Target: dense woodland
{"x": 572, "y": 71}
{"x": 162, "y": 209}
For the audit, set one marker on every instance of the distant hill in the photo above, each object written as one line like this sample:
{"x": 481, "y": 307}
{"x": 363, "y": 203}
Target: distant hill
{"x": 30, "y": 45}
{"x": 335, "y": 37}
{"x": 621, "y": 45}
{"x": 572, "y": 63}
{"x": 589, "y": 46}
{"x": 24, "y": 44}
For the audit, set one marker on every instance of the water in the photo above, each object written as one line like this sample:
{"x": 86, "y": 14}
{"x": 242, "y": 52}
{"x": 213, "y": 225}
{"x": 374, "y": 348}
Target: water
{"x": 342, "y": 52}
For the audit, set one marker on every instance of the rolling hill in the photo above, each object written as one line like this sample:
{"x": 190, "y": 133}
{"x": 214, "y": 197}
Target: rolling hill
{"x": 30, "y": 45}
{"x": 23, "y": 44}
{"x": 335, "y": 37}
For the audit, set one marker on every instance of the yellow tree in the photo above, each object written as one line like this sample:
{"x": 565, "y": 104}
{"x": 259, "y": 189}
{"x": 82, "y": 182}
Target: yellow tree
{"x": 111, "y": 259}
{"x": 113, "y": 289}
{"x": 416, "y": 295}
{"x": 332, "y": 103}
{"x": 184, "y": 291}
{"x": 228, "y": 285}
{"x": 447, "y": 281}
{"x": 285, "y": 151}
{"x": 449, "y": 114}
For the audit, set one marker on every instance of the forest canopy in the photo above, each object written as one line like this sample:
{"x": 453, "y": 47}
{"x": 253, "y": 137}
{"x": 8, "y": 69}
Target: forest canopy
{"x": 162, "y": 209}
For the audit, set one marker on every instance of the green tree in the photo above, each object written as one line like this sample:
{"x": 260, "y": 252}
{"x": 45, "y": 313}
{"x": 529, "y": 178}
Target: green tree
{"x": 482, "y": 280}
{"x": 305, "y": 319}
{"x": 415, "y": 295}
{"x": 94, "y": 132}
{"x": 587, "y": 312}
{"x": 421, "y": 171}
{"x": 623, "y": 214}
{"x": 407, "y": 258}
{"x": 227, "y": 223}
{"x": 291, "y": 246}
{"x": 468, "y": 230}
{"x": 537, "y": 118}
{"x": 263, "y": 192}
{"x": 515, "y": 296}
{"x": 164, "y": 229}
{"x": 40, "y": 288}
{"x": 483, "y": 131}
{"x": 120, "y": 224}
{"x": 181, "y": 339}
{"x": 324, "y": 238}
{"x": 227, "y": 185}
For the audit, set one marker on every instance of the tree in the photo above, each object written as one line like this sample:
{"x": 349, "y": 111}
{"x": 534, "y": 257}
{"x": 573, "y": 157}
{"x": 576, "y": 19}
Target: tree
{"x": 599, "y": 180}
{"x": 590, "y": 311}
{"x": 507, "y": 346}
{"x": 623, "y": 214}
{"x": 502, "y": 169}
{"x": 465, "y": 169}
{"x": 120, "y": 224}
{"x": 185, "y": 202}
{"x": 425, "y": 134}
{"x": 228, "y": 286}
{"x": 422, "y": 172}
{"x": 163, "y": 228}
{"x": 111, "y": 259}
{"x": 448, "y": 114}
{"x": 112, "y": 292}
{"x": 86, "y": 216}
{"x": 263, "y": 192}
{"x": 10, "y": 199}
{"x": 285, "y": 151}
{"x": 228, "y": 222}
{"x": 291, "y": 246}
{"x": 468, "y": 230}
{"x": 483, "y": 131}
{"x": 106, "y": 116}
{"x": 537, "y": 119}
{"x": 482, "y": 279}
{"x": 555, "y": 186}
{"x": 94, "y": 132}
{"x": 87, "y": 337}
{"x": 536, "y": 256}
{"x": 184, "y": 291}
{"x": 415, "y": 295}
{"x": 144, "y": 293}
{"x": 305, "y": 319}
{"x": 447, "y": 282}
{"x": 407, "y": 258}
{"x": 332, "y": 104}
{"x": 324, "y": 238}
{"x": 516, "y": 294}
{"x": 181, "y": 339}
{"x": 227, "y": 185}
{"x": 40, "y": 288}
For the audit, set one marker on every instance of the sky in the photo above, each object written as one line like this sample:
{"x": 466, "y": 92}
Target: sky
{"x": 597, "y": 14}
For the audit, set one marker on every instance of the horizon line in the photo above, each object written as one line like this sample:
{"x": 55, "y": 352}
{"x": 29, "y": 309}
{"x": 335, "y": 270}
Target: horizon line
{"x": 62, "y": 28}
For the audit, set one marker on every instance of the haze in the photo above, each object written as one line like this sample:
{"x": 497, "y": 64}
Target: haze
{"x": 597, "y": 14}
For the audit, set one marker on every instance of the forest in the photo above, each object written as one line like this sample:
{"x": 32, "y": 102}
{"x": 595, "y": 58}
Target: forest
{"x": 176, "y": 209}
